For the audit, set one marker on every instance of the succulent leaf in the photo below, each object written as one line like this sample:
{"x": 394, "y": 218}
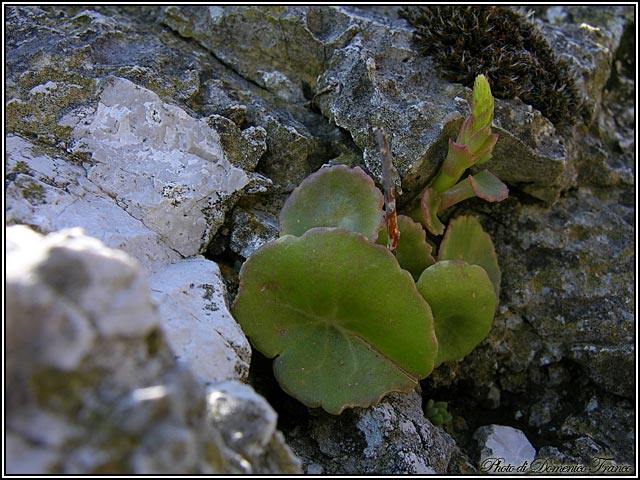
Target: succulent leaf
{"x": 466, "y": 240}
{"x": 456, "y": 194}
{"x": 437, "y": 413}
{"x": 414, "y": 254}
{"x": 336, "y": 196}
{"x": 459, "y": 158}
{"x": 430, "y": 206}
{"x": 346, "y": 323}
{"x": 488, "y": 187}
{"x": 481, "y": 103}
{"x": 463, "y": 303}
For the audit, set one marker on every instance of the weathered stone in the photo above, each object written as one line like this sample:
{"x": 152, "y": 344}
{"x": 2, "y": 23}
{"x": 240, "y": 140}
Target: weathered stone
{"x": 164, "y": 167}
{"x": 70, "y": 273}
{"x": 50, "y": 193}
{"x": 93, "y": 386}
{"x": 248, "y": 425}
{"x": 579, "y": 296}
{"x": 251, "y": 229}
{"x": 587, "y": 42}
{"x": 501, "y": 447}
{"x": 530, "y": 154}
{"x": 190, "y": 296}
{"x": 392, "y": 437}
{"x": 279, "y": 48}
{"x": 58, "y": 53}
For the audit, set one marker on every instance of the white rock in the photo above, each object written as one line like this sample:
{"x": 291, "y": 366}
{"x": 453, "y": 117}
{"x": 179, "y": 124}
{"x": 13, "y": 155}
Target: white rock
{"x": 190, "y": 296}
{"x": 166, "y": 449}
{"x": 503, "y": 450}
{"x": 25, "y": 458}
{"x": 43, "y": 428}
{"x": 164, "y": 167}
{"x": 246, "y": 420}
{"x": 35, "y": 313}
{"x": 75, "y": 279}
{"x": 51, "y": 194}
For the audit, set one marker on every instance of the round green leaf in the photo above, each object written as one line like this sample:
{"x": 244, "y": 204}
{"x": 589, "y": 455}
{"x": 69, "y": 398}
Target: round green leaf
{"x": 414, "y": 253}
{"x": 346, "y": 323}
{"x": 337, "y": 196}
{"x": 466, "y": 240}
{"x": 463, "y": 302}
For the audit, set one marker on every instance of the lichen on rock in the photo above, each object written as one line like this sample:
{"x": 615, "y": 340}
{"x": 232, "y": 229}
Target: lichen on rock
{"x": 179, "y": 131}
{"x": 95, "y": 387}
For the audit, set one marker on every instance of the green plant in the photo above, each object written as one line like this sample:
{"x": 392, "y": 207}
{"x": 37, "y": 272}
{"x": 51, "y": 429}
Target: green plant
{"x": 473, "y": 147}
{"x": 354, "y": 307}
{"x": 437, "y": 413}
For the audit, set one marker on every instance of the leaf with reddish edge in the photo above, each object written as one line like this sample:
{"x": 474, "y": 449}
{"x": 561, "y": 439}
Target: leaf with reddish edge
{"x": 459, "y": 158}
{"x": 484, "y": 185}
{"x": 481, "y": 141}
{"x": 429, "y": 205}
{"x": 484, "y": 154}
{"x": 466, "y": 131}
{"x": 488, "y": 187}
{"x": 456, "y": 194}
{"x": 346, "y": 323}
{"x": 337, "y": 196}
{"x": 414, "y": 253}
{"x": 466, "y": 240}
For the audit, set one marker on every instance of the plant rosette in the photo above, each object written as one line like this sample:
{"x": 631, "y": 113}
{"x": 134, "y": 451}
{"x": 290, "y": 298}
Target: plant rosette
{"x": 343, "y": 317}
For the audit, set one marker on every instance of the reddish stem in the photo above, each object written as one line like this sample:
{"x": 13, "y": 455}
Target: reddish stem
{"x": 388, "y": 182}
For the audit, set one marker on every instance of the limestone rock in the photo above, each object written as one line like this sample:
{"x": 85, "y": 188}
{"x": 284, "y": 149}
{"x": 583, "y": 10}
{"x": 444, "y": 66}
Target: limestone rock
{"x": 92, "y": 384}
{"x": 392, "y": 438}
{"x": 50, "y": 193}
{"x": 190, "y": 295}
{"x": 279, "y": 48}
{"x": 248, "y": 425}
{"x": 500, "y": 446}
{"x": 164, "y": 167}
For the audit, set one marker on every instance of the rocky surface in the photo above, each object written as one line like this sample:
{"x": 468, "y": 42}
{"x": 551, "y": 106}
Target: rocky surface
{"x": 390, "y": 438}
{"x": 191, "y": 299}
{"x": 503, "y": 449}
{"x": 94, "y": 386}
{"x": 175, "y": 134}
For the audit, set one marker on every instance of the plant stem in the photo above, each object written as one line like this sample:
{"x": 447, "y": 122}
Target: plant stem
{"x": 388, "y": 182}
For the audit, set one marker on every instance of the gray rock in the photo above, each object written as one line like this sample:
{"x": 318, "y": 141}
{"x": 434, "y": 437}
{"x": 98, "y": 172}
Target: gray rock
{"x": 391, "y": 438}
{"x": 190, "y": 296}
{"x": 576, "y": 287}
{"x": 251, "y": 229}
{"x": 50, "y": 193}
{"x": 279, "y": 48}
{"x": 587, "y": 42}
{"x": 381, "y": 81}
{"x": 93, "y": 386}
{"x": 162, "y": 166}
{"x": 503, "y": 449}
